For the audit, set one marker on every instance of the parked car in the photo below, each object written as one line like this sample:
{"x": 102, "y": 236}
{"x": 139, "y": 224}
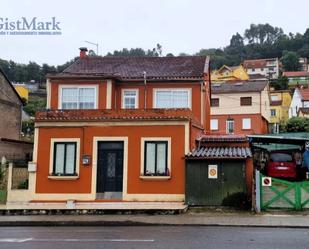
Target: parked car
{"x": 281, "y": 165}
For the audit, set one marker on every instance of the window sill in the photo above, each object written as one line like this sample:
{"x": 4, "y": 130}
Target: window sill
{"x": 157, "y": 178}
{"x": 63, "y": 177}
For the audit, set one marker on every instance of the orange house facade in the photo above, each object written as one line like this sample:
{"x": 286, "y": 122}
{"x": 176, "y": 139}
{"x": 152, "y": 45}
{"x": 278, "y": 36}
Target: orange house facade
{"x": 118, "y": 128}
{"x": 240, "y": 108}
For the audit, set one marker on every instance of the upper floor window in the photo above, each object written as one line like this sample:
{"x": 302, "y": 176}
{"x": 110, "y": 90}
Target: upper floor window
{"x": 246, "y": 123}
{"x": 130, "y": 99}
{"x": 82, "y": 97}
{"x": 214, "y": 102}
{"x": 245, "y": 101}
{"x": 273, "y": 112}
{"x": 172, "y": 98}
{"x": 214, "y": 125}
{"x": 274, "y": 97}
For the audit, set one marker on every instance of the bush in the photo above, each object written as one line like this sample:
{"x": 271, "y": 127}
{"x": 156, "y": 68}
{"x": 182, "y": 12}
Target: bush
{"x": 296, "y": 124}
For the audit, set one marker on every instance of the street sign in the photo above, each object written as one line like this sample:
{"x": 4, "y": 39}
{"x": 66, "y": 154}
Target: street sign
{"x": 213, "y": 171}
{"x": 266, "y": 181}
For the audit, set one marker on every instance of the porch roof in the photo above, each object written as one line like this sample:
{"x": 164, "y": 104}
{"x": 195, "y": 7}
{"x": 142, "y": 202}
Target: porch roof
{"x": 115, "y": 115}
{"x": 234, "y": 152}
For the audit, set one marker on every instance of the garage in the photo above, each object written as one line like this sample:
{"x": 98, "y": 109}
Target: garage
{"x": 281, "y": 171}
{"x": 219, "y": 172}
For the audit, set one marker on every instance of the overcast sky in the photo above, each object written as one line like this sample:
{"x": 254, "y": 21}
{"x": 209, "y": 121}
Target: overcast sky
{"x": 178, "y": 25}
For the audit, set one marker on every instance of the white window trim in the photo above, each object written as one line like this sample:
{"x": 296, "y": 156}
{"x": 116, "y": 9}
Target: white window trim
{"x": 227, "y": 121}
{"x": 95, "y": 87}
{"x": 217, "y": 124}
{"x": 136, "y": 97}
{"x": 169, "y": 156}
{"x": 155, "y": 90}
{"x": 51, "y": 158}
{"x": 243, "y": 124}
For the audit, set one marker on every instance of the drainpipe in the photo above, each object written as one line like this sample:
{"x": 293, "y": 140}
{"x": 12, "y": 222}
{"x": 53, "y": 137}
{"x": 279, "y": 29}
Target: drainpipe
{"x": 145, "y": 89}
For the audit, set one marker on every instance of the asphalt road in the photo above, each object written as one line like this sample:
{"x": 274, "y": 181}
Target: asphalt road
{"x": 168, "y": 237}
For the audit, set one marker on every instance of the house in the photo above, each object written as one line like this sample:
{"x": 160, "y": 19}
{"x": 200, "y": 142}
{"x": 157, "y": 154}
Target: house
{"x": 118, "y": 128}
{"x": 280, "y": 101}
{"x": 300, "y": 100}
{"x": 11, "y": 104}
{"x": 240, "y": 108}
{"x": 303, "y": 62}
{"x": 227, "y": 73}
{"x": 269, "y": 68}
{"x": 303, "y": 112}
{"x": 22, "y": 90}
{"x": 297, "y": 78}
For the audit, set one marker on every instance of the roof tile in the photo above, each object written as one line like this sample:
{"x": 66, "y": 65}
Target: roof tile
{"x": 220, "y": 153}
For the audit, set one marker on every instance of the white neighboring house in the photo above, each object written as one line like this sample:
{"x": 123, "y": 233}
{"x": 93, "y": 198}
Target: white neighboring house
{"x": 269, "y": 68}
{"x": 300, "y": 99}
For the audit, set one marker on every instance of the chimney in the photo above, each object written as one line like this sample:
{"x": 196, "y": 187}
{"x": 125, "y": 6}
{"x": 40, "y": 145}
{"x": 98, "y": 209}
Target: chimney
{"x": 83, "y": 52}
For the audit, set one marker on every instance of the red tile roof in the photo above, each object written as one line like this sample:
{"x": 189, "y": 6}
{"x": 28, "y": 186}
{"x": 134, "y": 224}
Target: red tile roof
{"x": 304, "y": 94}
{"x": 128, "y": 68}
{"x": 234, "y": 152}
{"x": 115, "y": 115}
{"x": 223, "y": 138}
{"x": 255, "y": 63}
{"x": 296, "y": 74}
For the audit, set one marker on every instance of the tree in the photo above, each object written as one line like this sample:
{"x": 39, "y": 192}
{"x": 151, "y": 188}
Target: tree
{"x": 296, "y": 124}
{"x": 282, "y": 83}
{"x": 263, "y": 34}
{"x": 35, "y": 104}
{"x": 290, "y": 61}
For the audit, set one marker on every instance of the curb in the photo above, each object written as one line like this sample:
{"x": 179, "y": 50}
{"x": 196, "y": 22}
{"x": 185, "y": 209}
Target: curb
{"x": 136, "y": 223}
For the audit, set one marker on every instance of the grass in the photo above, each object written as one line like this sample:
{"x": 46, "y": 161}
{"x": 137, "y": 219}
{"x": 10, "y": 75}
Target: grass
{"x": 2, "y": 196}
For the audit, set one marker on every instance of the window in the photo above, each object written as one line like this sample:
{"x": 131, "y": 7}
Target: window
{"x": 214, "y": 124}
{"x": 78, "y": 98}
{"x": 274, "y": 97}
{"x": 245, "y": 101}
{"x": 253, "y": 69}
{"x": 246, "y": 123}
{"x": 155, "y": 158}
{"x": 214, "y": 102}
{"x": 130, "y": 99}
{"x": 176, "y": 98}
{"x": 262, "y": 69}
{"x": 64, "y": 158}
{"x": 273, "y": 112}
{"x": 230, "y": 126}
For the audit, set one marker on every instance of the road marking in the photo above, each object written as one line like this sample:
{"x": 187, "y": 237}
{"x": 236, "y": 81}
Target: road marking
{"x": 15, "y": 240}
{"x": 21, "y": 240}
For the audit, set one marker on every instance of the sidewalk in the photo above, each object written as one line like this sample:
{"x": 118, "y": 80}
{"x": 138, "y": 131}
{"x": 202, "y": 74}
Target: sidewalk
{"x": 207, "y": 218}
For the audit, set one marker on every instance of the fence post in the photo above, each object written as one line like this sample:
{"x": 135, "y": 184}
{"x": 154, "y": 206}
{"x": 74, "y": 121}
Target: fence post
{"x": 298, "y": 196}
{"x": 10, "y": 176}
{"x": 257, "y": 191}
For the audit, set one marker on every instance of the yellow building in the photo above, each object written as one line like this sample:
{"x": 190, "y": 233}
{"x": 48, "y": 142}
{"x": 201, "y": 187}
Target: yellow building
{"x": 226, "y": 73}
{"x": 22, "y": 91}
{"x": 279, "y": 108}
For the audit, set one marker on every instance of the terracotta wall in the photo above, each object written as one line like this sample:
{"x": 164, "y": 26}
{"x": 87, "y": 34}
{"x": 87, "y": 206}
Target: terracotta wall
{"x": 258, "y": 124}
{"x": 175, "y": 185}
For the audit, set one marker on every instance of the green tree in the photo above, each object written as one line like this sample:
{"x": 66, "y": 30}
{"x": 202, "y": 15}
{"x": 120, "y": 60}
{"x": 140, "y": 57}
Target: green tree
{"x": 290, "y": 61}
{"x": 35, "y": 104}
{"x": 282, "y": 83}
{"x": 296, "y": 124}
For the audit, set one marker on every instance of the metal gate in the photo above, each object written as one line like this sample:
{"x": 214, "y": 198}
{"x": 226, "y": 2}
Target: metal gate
{"x": 280, "y": 194}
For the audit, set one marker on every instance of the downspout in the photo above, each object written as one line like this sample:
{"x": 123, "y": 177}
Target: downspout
{"x": 145, "y": 89}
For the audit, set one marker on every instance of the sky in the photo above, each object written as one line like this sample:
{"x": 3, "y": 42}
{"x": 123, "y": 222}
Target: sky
{"x": 178, "y": 25}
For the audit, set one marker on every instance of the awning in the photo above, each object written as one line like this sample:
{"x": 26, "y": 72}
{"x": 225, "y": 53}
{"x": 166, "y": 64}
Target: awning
{"x": 220, "y": 153}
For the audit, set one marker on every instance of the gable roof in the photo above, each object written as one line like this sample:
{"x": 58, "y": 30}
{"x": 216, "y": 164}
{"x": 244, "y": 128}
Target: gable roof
{"x": 296, "y": 74}
{"x": 11, "y": 85}
{"x": 132, "y": 68}
{"x": 248, "y": 86}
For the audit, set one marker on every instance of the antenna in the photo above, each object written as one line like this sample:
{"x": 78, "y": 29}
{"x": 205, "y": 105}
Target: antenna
{"x": 95, "y": 44}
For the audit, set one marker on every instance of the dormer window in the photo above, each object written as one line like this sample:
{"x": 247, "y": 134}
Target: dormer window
{"x": 129, "y": 99}
{"x": 78, "y": 97}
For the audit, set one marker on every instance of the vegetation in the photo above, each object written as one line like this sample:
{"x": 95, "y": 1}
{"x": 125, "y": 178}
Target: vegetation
{"x": 34, "y": 104}
{"x": 295, "y": 124}
{"x": 258, "y": 41}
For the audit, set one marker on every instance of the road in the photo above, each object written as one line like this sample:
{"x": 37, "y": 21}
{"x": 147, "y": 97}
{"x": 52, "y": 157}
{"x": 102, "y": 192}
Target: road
{"x": 153, "y": 237}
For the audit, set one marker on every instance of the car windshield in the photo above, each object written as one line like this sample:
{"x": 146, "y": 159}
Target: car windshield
{"x": 281, "y": 157}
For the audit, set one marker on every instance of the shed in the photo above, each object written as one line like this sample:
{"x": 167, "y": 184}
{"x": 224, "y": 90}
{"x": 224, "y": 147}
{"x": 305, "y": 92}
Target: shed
{"x": 219, "y": 171}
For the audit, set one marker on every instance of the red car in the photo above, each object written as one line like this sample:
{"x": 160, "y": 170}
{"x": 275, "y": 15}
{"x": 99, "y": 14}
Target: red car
{"x": 281, "y": 165}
